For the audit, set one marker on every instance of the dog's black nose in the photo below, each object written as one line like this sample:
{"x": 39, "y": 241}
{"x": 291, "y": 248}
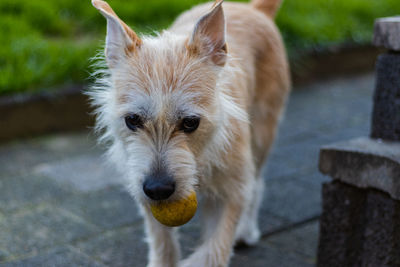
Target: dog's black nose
{"x": 159, "y": 188}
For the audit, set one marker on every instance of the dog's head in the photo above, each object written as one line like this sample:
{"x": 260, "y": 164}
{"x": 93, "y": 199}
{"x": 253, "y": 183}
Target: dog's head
{"x": 159, "y": 104}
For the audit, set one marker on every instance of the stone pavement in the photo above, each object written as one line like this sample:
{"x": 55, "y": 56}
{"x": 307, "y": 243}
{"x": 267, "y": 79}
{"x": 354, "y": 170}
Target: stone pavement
{"x": 61, "y": 205}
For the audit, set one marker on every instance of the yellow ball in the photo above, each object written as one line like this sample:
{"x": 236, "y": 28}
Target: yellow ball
{"x": 175, "y": 213}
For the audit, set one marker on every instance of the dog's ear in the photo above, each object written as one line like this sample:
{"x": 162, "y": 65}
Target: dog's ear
{"x": 121, "y": 40}
{"x": 208, "y": 37}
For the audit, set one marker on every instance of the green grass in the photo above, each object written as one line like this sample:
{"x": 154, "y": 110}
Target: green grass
{"x": 46, "y": 43}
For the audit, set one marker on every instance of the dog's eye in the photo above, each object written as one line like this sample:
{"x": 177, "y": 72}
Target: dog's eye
{"x": 133, "y": 122}
{"x": 190, "y": 124}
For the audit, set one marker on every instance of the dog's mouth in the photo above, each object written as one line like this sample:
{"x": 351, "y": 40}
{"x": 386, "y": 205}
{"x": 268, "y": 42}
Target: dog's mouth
{"x": 168, "y": 206}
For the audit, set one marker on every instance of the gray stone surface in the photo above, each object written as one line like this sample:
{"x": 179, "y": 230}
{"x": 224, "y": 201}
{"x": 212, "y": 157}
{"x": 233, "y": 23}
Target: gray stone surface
{"x": 20, "y": 157}
{"x": 266, "y": 255}
{"x": 364, "y": 162}
{"x": 359, "y": 227}
{"x": 121, "y": 247}
{"x": 301, "y": 241}
{"x": 270, "y": 222}
{"x": 3, "y": 255}
{"x": 341, "y": 225}
{"x": 386, "y": 112}
{"x": 23, "y": 191}
{"x": 286, "y": 199}
{"x": 381, "y": 245}
{"x": 60, "y": 205}
{"x": 107, "y": 208}
{"x": 387, "y": 33}
{"x": 60, "y": 257}
{"x": 308, "y": 116}
{"x": 86, "y": 173}
{"x": 29, "y": 231}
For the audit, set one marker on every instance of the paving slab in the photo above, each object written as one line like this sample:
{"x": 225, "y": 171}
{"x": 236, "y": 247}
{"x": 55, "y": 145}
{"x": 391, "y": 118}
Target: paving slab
{"x": 20, "y": 191}
{"x": 292, "y": 200}
{"x": 329, "y": 106}
{"x": 3, "y": 255}
{"x": 121, "y": 247}
{"x": 301, "y": 240}
{"x": 293, "y": 248}
{"x": 266, "y": 255}
{"x": 85, "y": 173}
{"x": 33, "y": 230}
{"x": 107, "y": 208}
{"x": 21, "y": 156}
{"x": 291, "y": 159}
{"x": 60, "y": 257}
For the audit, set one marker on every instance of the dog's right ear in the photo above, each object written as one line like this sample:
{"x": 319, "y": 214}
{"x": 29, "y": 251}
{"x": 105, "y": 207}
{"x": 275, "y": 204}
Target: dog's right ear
{"x": 121, "y": 40}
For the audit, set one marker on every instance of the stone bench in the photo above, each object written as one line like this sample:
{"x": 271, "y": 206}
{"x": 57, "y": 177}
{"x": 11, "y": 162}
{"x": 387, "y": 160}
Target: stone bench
{"x": 360, "y": 222}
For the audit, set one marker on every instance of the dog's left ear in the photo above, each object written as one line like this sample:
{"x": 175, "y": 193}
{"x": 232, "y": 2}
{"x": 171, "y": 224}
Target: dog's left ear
{"x": 208, "y": 37}
{"x": 121, "y": 40}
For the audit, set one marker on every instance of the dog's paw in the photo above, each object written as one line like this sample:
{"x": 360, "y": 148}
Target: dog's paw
{"x": 161, "y": 263}
{"x": 249, "y": 237}
{"x": 191, "y": 262}
{"x": 153, "y": 264}
{"x": 198, "y": 259}
{"x": 185, "y": 263}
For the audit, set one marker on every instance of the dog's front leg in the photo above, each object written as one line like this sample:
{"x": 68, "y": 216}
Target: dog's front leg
{"x": 221, "y": 219}
{"x": 163, "y": 243}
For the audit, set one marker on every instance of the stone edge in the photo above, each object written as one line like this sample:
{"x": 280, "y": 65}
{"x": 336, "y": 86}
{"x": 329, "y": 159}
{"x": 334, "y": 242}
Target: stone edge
{"x": 386, "y": 33}
{"x": 27, "y": 115}
{"x": 352, "y": 164}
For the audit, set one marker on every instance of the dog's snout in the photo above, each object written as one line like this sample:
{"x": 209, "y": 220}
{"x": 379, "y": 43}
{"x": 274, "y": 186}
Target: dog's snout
{"x": 159, "y": 187}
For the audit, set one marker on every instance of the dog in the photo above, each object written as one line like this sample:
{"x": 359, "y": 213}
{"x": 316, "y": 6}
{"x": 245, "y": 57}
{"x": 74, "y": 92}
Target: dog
{"x": 195, "y": 108}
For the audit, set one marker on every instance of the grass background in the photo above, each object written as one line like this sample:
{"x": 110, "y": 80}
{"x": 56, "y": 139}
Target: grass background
{"x": 47, "y": 43}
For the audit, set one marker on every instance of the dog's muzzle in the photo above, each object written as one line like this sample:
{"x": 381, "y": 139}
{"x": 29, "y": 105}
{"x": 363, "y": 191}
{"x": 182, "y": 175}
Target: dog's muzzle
{"x": 159, "y": 186}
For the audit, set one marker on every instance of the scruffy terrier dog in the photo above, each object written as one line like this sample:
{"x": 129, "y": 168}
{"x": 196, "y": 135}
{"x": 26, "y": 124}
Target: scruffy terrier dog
{"x": 195, "y": 109}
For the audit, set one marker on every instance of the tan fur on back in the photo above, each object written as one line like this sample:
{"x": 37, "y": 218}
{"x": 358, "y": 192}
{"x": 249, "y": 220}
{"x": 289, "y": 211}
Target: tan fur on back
{"x": 264, "y": 83}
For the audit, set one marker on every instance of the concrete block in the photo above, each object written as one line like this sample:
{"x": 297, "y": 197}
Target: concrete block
{"x": 387, "y": 33}
{"x": 386, "y": 112}
{"x": 358, "y": 227}
{"x": 381, "y": 245}
{"x": 340, "y": 231}
{"x": 364, "y": 162}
